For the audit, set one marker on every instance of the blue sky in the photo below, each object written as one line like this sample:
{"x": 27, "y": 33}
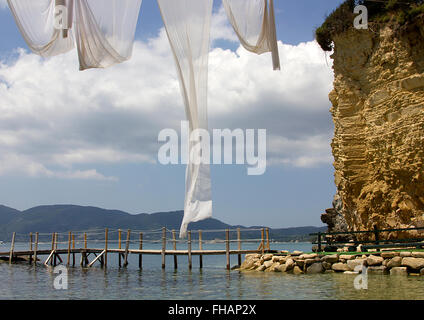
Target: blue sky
{"x": 82, "y": 147}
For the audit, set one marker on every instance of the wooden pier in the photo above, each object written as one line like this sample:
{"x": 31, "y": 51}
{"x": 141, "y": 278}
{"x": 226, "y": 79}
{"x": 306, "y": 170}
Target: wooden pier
{"x": 57, "y": 250}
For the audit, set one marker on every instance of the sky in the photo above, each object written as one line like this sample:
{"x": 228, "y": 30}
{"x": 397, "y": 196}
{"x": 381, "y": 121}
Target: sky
{"x": 90, "y": 138}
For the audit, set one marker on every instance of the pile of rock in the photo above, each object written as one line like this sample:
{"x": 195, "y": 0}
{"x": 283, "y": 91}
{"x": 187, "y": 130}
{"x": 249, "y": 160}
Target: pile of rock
{"x": 394, "y": 263}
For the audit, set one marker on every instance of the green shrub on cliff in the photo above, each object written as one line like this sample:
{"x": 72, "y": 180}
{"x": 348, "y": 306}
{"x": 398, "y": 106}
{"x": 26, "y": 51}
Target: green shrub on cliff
{"x": 341, "y": 19}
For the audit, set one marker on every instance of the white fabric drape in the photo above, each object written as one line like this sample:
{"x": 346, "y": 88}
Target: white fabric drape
{"x": 35, "y": 20}
{"x": 103, "y": 29}
{"x": 254, "y": 23}
{"x": 187, "y": 24}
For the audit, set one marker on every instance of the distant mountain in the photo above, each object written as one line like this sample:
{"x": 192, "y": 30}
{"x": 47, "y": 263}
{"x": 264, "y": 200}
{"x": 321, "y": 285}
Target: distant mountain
{"x": 62, "y": 218}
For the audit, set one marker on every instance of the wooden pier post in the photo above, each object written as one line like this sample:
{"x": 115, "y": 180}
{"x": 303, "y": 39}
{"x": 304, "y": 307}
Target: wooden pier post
{"x": 53, "y": 237}
{"x": 106, "y": 239}
{"x": 189, "y": 250}
{"x": 36, "y": 248}
{"x": 30, "y": 247}
{"x": 200, "y": 248}
{"x": 12, "y": 247}
{"x": 163, "y": 246}
{"x": 85, "y": 240}
{"x": 127, "y": 246}
{"x": 239, "y": 246}
{"x": 227, "y": 247}
{"x": 174, "y": 244}
{"x": 267, "y": 238}
{"x": 119, "y": 246}
{"x": 140, "y": 256}
{"x": 73, "y": 247}
{"x": 54, "y": 258}
{"x": 262, "y": 241}
{"x": 69, "y": 248}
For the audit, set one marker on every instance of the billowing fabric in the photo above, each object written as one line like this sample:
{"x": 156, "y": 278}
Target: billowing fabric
{"x": 254, "y": 23}
{"x": 35, "y": 20}
{"x": 187, "y": 24}
{"x": 105, "y": 31}
{"x": 102, "y": 29}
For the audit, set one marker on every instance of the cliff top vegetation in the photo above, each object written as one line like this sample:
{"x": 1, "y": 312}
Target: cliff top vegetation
{"x": 399, "y": 12}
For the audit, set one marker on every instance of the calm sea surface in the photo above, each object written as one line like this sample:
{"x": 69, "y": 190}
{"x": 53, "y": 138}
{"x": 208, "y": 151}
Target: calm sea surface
{"x": 22, "y": 281}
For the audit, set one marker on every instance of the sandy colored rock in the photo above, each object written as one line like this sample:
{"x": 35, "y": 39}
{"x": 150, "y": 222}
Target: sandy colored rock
{"x": 331, "y": 258}
{"x": 374, "y": 260}
{"x": 353, "y": 264}
{"x": 267, "y": 257}
{"x": 386, "y": 255}
{"x": 378, "y": 115}
{"x": 261, "y": 268}
{"x": 413, "y": 263}
{"x": 289, "y": 264}
{"x": 340, "y": 267}
{"x": 315, "y": 268}
{"x": 405, "y": 254}
{"x": 347, "y": 256}
{"x": 268, "y": 263}
{"x": 377, "y": 270}
{"x": 297, "y": 270}
{"x": 394, "y": 262}
{"x": 403, "y": 271}
{"x": 418, "y": 254}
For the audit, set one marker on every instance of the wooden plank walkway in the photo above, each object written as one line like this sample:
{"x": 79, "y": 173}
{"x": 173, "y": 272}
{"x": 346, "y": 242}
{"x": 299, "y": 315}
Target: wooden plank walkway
{"x": 100, "y": 254}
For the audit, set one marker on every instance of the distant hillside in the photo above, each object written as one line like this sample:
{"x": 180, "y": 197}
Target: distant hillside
{"x": 62, "y": 218}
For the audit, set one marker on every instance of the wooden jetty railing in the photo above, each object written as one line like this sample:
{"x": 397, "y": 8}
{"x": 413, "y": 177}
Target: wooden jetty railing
{"x": 112, "y": 243}
{"x": 377, "y": 243}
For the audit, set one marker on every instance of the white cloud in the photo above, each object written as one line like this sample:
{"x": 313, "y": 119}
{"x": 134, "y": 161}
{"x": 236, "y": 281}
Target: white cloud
{"x": 55, "y": 119}
{"x": 3, "y": 4}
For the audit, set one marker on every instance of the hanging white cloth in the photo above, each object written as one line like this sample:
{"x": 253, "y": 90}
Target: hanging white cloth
{"x": 254, "y": 23}
{"x": 35, "y": 20}
{"x": 103, "y": 29}
{"x": 187, "y": 24}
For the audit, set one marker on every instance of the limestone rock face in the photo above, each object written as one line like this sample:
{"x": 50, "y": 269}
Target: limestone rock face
{"x": 378, "y": 113}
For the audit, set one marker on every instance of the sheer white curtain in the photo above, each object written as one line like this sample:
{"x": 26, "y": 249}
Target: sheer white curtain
{"x": 35, "y": 20}
{"x": 103, "y": 29}
{"x": 187, "y": 24}
{"x": 254, "y": 23}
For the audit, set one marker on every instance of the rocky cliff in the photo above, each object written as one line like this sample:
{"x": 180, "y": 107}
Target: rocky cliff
{"x": 378, "y": 113}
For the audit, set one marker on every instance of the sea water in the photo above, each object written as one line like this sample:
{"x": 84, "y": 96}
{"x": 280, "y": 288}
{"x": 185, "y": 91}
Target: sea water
{"x": 24, "y": 281}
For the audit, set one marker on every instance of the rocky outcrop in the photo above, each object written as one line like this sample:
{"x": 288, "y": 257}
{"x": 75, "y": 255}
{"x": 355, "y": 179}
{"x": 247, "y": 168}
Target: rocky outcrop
{"x": 378, "y": 113}
{"x": 394, "y": 263}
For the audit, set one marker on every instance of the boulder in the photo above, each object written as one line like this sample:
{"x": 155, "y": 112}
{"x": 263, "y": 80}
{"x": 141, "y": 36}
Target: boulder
{"x": 289, "y": 264}
{"x": 347, "y": 256}
{"x": 315, "y": 268}
{"x": 247, "y": 264}
{"x": 297, "y": 253}
{"x": 405, "y": 254}
{"x": 403, "y": 271}
{"x": 374, "y": 260}
{"x": 340, "y": 267}
{"x": 352, "y": 264}
{"x": 377, "y": 270}
{"x": 268, "y": 263}
{"x": 330, "y": 258}
{"x": 394, "y": 262}
{"x": 272, "y": 267}
{"x": 297, "y": 270}
{"x": 261, "y": 268}
{"x": 326, "y": 265}
{"x": 308, "y": 256}
{"x": 310, "y": 261}
{"x": 413, "y": 263}
{"x": 422, "y": 272}
{"x": 418, "y": 254}
{"x": 351, "y": 272}
{"x": 267, "y": 257}
{"x": 389, "y": 254}
{"x": 281, "y": 268}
